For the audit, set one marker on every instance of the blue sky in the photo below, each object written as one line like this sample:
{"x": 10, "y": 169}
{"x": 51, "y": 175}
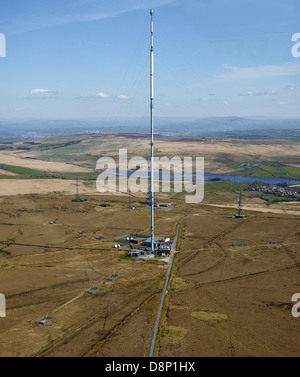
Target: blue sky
{"x": 89, "y": 59}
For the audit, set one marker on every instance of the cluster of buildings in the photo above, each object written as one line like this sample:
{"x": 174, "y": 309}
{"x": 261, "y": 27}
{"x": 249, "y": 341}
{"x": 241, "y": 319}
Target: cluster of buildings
{"x": 277, "y": 190}
{"x": 163, "y": 205}
{"x": 251, "y": 165}
{"x": 141, "y": 245}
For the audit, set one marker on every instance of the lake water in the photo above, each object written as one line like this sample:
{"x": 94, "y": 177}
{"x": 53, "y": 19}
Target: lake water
{"x": 232, "y": 178}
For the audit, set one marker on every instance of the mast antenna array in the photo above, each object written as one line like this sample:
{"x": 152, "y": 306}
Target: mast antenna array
{"x": 152, "y": 126}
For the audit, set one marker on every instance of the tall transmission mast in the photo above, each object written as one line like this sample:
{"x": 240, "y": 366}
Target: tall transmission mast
{"x": 77, "y": 190}
{"x": 240, "y": 207}
{"x": 152, "y": 125}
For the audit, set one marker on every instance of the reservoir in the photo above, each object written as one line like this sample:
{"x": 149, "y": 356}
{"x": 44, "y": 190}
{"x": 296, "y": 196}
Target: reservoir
{"x": 233, "y": 178}
{"x": 210, "y": 176}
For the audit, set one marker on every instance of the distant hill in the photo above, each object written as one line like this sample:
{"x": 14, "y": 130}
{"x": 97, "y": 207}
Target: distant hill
{"x": 236, "y": 123}
{"x": 203, "y": 127}
{"x": 235, "y": 127}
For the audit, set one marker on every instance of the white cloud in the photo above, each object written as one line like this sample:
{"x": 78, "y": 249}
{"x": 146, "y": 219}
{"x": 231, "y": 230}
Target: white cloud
{"x": 259, "y": 72}
{"x": 123, "y": 97}
{"x": 43, "y": 93}
{"x": 38, "y": 91}
{"x": 258, "y": 94}
{"x": 94, "y": 96}
{"x": 102, "y": 95}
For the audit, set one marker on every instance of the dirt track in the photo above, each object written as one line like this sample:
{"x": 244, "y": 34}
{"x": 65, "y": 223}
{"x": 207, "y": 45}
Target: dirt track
{"x": 265, "y": 209}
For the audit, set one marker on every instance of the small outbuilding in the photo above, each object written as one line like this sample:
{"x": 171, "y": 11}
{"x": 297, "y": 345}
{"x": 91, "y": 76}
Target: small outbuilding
{"x": 163, "y": 205}
{"x": 44, "y": 320}
{"x": 91, "y": 290}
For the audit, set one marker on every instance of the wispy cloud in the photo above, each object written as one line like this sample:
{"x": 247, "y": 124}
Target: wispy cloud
{"x": 258, "y": 94}
{"x": 99, "y": 95}
{"x": 42, "y": 93}
{"x": 102, "y": 95}
{"x": 259, "y": 72}
{"x": 54, "y": 13}
{"x": 123, "y": 97}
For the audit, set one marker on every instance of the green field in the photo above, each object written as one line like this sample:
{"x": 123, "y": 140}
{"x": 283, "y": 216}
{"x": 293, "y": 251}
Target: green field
{"x": 268, "y": 170}
{"x": 26, "y": 173}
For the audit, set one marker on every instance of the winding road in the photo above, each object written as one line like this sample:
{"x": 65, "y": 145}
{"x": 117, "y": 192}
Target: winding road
{"x": 164, "y": 291}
